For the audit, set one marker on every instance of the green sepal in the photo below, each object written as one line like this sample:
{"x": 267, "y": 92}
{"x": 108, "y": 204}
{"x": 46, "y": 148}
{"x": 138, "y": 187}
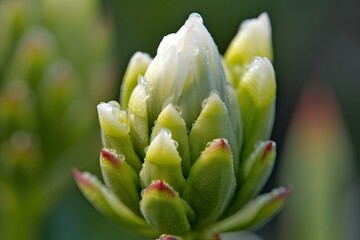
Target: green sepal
{"x": 162, "y": 162}
{"x": 115, "y": 132}
{"x": 256, "y": 94}
{"x": 137, "y": 66}
{"x": 164, "y": 210}
{"x": 120, "y": 178}
{"x": 170, "y": 118}
{"x": 106, "y": 202}
{"x": 138, "y": 119}
{"x": 254, "y": 173}
{"x": 213, "y": 122}
{"x": 254, "y": 214}
{"x": 211, "y": 182}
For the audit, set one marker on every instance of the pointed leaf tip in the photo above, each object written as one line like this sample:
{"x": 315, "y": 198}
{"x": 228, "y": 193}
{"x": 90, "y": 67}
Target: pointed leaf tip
{"x": 110, "y": 156}
{"x": 167, "y": 237}
{"x": 282, "y": 194}
{"x": 81, "y": 179}
{"x": 161, "y": 186}
{"x": 220, "y": 143}
{"x": 269, "y": 147}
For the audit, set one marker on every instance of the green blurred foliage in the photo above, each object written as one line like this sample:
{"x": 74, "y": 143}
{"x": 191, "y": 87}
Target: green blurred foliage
{"x": 54, "y": 69}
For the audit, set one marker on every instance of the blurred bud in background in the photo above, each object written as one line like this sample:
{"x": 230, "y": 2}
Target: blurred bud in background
{"x": 55, "y": 66}
{"x": 318, "y": 164}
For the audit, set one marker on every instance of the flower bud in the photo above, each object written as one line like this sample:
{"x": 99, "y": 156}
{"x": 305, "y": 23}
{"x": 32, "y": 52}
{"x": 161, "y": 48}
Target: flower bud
{"x": 256, "y": 94}
{"x": 137, "y": 67}
{"x": 115, "y": 132}
{"x": 162, "y": 162}
{"x": 186, "y": 69}
{"x": 170, "y": 118}
{"x": 253, "y": 39}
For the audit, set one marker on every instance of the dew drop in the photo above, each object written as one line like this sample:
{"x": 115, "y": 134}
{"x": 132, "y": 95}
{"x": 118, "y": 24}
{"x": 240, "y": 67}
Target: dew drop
{"x": 208, "y": 144}
{"x": 196, "y": 17}
{"x": 178, "y": 109}
{"x": 195, "y": 50}
{"x": 175, "y": 143}
{"x": 255, "y": 60}
{"x": 166, "y": 131}
{"x": 203, "y": 104}
{"x": 125, "y": 127}
{"x": 121, "y": 157}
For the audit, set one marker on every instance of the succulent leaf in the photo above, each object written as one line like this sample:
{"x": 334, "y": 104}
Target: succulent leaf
{"x": 255, "y": 213}
{"x": 120, "y": 178}
{"x": 211, "y": 182}
{"x": 107, "y": 203}
{"x": 163, "y": 162}
{"x": 163, "y": 209}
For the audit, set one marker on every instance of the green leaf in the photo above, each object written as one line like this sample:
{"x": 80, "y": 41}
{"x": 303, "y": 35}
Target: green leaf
{"x": 255, "y": 213}
{"x": 163, "y": 209}
{"x": 121, "y": 179}
{"x": 211, "y": 182}
{"x": 254, "y": 174}
{"x": 213, "y": 122}
{"x": 107, "y": 203}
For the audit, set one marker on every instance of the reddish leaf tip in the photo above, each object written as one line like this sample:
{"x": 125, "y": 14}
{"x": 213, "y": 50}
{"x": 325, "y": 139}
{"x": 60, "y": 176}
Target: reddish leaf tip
{"x": 110, "y": 156}
{"x": 283, "y": 193}
{"x": 80, "y": 178}
{"x": 220, "y": 143}
{"x": 269, "y": 146}
{"x": 161, "y": 186}
{"x": 167, "y": 237}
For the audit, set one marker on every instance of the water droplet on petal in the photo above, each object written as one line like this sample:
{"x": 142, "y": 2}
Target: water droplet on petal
{"x": 178, "y": 109}
{"x": 175, "y": 143}
{"x": 195, "y": 50}
{"x": 203, "y": 104}
{"x": 121, "y": 157}
{"x": 166, "y": 131}
{"x": 125, "y": 127}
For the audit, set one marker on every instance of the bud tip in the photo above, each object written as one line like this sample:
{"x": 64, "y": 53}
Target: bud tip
{"x": 110, "y": 156}
{"x": 161, "y": 186}
{"x": 81, "y": 179}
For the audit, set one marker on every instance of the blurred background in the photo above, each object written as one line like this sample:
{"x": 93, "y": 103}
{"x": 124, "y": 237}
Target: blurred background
{"x": 69, "y": 55}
